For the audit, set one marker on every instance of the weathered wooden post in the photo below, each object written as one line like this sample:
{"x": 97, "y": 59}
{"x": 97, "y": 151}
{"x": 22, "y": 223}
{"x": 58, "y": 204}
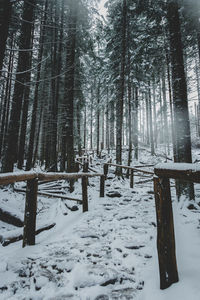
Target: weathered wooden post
{"x": 30, "y": 212}
{"x": 85, "y": 170}
{"x": 105, "y": 170}
{"x": 76, "y": 167}
{"x": 127, "y": 173}
{"x": 84, "y": 194}
{"x": 85, "y": 167}
{"x": 102, "y": 186}
{"x": 165, "y": 233}
{"x": 132, "y": 179}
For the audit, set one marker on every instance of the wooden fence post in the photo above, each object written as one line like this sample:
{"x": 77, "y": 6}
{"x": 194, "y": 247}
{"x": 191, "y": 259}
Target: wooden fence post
{"x": 165, "y": 233}
{"x": 102, "y": 186}
{"x": 85, "y": 167}
{"x": 85, "y": 170}
{"x": 84, "y": 194}
{"x": 76, "y": 167}
{"x": 105, "y": 170}
{"x": 132, "y": 179}
{"x": 30, "y": 212}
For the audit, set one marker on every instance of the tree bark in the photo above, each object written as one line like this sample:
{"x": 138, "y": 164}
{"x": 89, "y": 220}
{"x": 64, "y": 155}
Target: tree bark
{"x": 5, "y": 15}
{"x": 181, "y": 113}
{"x": 151, "y": 123}
{"x": 29, "y": 163}
{"x": 69, "y": 88}
{"x": 10, "y": 151}
{"x": 120, "y": 96}
{"x": 135, "y": 124}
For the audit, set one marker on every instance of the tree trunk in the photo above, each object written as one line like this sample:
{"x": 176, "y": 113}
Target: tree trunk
{"x": 155, "y": 115}
{"x": 147, "y": 119}
{"x": 5, "y": 15}
{"x": 29, "y": 163}
{"x": 10, "y": 151}
{"x": 151, "y": 123}
{"x": 6, "y": 99}
{"x": 98, "y": 118}
{"x": 181, "y": 113}
{"x": 23, "y": 130}
{"x": 85, "y": 128}
{"x": 103, "y": 133}
{"x": 135, "y": 123}
{"x": 69, "y": 88}
{"x": 129, "y": 114}
{"x": 166, "y": 130}
{"x": 91, "y": 120}
{"x": 171, "y": 104}
{"x": 107, "y": 124}
{"x": 112, "y": 124}
{"x": 120, "y": 96}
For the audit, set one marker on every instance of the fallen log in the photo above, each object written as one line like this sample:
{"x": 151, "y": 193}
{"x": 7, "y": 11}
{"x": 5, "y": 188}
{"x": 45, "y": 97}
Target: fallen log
{"x": 130, "y": 168}
{"x": 51, "y": 195}
{"x": 9, "y": 240}
{"x": 10, "y": 218}
{"x": 144, "y": 181}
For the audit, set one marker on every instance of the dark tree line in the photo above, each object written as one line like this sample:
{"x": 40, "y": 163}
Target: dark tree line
{"x": 72, "y": 81}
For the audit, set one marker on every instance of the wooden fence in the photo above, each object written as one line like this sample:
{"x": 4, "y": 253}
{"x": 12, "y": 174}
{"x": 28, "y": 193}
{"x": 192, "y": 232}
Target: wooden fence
{"x": 32, "y": 179}
{"x": 132, "y": 170}
{"x": 164, "y": 213}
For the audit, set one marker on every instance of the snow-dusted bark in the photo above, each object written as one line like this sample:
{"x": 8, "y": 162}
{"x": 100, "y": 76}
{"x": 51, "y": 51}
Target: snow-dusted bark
{"x": 179, "y": 86}
{"x": 23, "y": 69}
{"x": 182, "y": 125}
{"x": 120, "y": 99}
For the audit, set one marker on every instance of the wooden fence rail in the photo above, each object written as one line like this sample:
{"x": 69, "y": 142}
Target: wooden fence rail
{"x": 164, "y": 213}
{"x": 133, "y": 170}
{"x": 32, "y": 179}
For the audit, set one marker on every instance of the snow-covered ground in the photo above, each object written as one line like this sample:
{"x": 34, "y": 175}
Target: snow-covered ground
{"x": 107, "y": 253}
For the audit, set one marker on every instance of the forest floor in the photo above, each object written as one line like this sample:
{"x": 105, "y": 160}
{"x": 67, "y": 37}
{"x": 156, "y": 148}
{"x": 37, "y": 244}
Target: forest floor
{"x": 107, "y": 253}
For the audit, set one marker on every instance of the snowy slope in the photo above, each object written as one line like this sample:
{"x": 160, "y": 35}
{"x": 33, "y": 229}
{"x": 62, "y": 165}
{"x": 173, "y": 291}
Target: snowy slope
{"x": 106, "y": 253}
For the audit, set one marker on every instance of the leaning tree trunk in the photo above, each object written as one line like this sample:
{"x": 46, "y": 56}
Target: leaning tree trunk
{"x": 179, "y": 86}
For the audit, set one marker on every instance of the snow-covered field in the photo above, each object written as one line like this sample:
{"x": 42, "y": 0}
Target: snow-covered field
{"x": 107, "y": 253}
